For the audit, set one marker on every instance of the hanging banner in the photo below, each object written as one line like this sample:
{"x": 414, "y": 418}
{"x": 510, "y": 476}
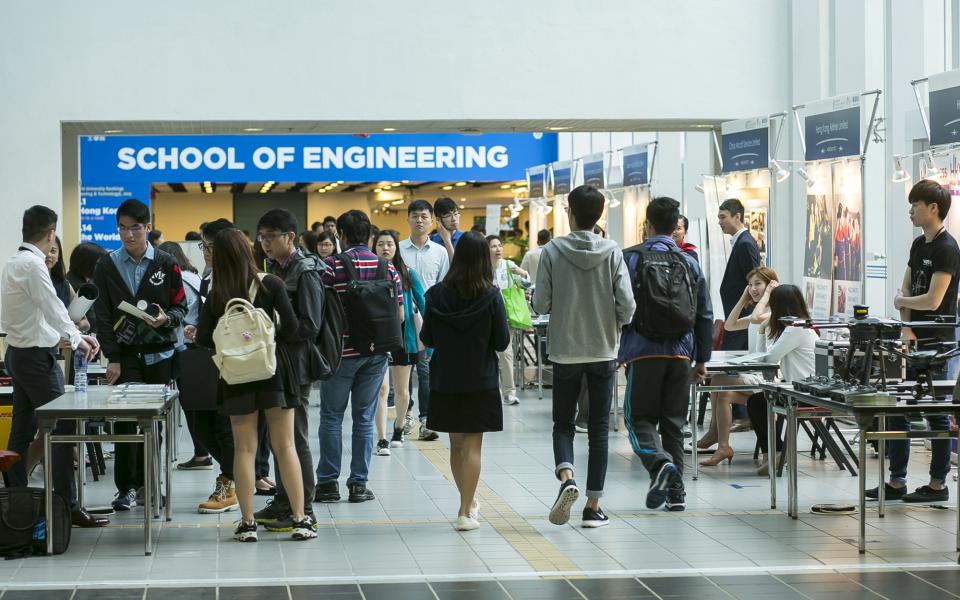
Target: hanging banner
{"x": 847, "y": 238}
{"x": 536, "y": 181}
{"x": 636, "y": 165}
{"x": 562, "y": 173}
{"x": 818, "y": 252}
{"x": 593, "y": 171}
{"x": 944, "y": 98}
{"x": 832, "y": 128}
{"x": 98, "y": 211}
{"x": 745, "y": 144}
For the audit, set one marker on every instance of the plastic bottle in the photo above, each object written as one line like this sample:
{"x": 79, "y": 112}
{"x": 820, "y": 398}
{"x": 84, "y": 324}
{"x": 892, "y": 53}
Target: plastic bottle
{"x": 79, "y": 372}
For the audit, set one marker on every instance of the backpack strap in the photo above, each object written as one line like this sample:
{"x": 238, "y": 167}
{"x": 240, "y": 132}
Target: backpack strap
{"x": 348, "y": 267}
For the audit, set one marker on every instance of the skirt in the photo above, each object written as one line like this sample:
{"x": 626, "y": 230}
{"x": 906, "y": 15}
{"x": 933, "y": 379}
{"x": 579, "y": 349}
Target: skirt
{"x": 246, "y": 398}
{"x": 467, "y": 412}
{"x": 403, "y": 359}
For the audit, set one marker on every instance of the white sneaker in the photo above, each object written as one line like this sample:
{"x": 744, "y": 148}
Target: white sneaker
{"x": 465, "y": 523}
{"x": 580, "y": 429}
{"x": 511, "y": 400}
{"x": 475, "y": 510}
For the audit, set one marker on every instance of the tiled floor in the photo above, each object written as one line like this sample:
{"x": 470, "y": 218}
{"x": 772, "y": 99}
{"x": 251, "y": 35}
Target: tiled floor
{"x": 728, "y": 543}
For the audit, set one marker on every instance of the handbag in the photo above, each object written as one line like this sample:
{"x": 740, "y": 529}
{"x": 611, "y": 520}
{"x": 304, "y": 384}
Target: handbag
{"x": 23, "y": 522}
{"x": 245, "y": 343}
{"x": 515, "y": 303}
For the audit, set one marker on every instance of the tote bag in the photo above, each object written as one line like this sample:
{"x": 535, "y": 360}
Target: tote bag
{"x": 515, "y": 301}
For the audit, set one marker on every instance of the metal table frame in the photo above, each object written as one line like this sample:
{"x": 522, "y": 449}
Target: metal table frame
{"x": 146, "y": 416}
{"x": 783, "y": 399}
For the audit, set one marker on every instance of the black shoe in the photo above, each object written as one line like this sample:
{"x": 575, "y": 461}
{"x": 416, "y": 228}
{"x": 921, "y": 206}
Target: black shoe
{"x": 560, "y": 511}
{"x": 666, "y": 478}
{"x": 273, "y": 511}
{"x": 203, "y": 464}
{"x": 383, "y": 448}
{"x": 327, "y": 492}
{"x": 594, "y": 518}
{"x": 676, "y": 498}
{"x": 927, "y": 494}
{"x": 360, "y": 493}
{"x": 889, "y": 492}
{"x": 125, "y": 500}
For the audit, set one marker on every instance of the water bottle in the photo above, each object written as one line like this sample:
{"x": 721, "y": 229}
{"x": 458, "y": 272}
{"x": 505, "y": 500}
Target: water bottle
{"x": 40, "y": 530}
{"x": 79, "y": 372}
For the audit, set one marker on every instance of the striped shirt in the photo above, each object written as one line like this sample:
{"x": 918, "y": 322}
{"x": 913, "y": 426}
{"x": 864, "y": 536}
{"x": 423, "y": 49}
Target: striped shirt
{"x": 365, "y": 263}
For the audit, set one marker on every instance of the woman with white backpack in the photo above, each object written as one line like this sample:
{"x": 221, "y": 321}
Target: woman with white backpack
{"x": 247, "y": 319}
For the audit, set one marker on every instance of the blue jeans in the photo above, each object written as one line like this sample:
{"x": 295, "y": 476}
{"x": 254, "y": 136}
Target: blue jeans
{"x": 423, "y": 386}
{"x": 898, "y": 451}
{"x": 357, "y": 380}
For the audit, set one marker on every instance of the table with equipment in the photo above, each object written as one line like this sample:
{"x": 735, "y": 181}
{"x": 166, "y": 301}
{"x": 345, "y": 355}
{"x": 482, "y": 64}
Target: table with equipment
{"x": 144, "y": 404}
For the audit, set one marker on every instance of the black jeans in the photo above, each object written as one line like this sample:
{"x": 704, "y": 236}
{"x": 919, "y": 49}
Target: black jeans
{"x": 566, "y": 390}
{"x": 262, "y": 460}
{"x": 658, "y": 395}
{"x": 37, "y": 380}
{"x": 128, "y": 456}
{"x": 301, "y": 441}
{"x": 212, "y": 429}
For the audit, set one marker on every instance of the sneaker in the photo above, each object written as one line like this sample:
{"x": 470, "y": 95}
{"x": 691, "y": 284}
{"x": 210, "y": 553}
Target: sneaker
{"x": 195, "y": 464}
{"x": 245, "y": 532}
{"x": 125, "y": 500}
{"x": 397, "y": 441}
{"x": 271, "y": 512}
{"x": 408, "y": 423}
{"x": 383, "y": 448}
{"x": 580, "y": 429}
{"x": 426, "y": 435}
{"x": 223, "y": 498}
{"x": 511, "y": 400}
{"x": 286, "y": 523}
{"x": 889, "y": 492}
{"x": 474, "y": 510}
{"x": 560, "y": 511}
{"x": 666, "y": 478}
{"x": 677, "y": 498}
{"x": 327, "y": 492}
{"x": 594, "y": 518}
{"x": 360, "y": 493}
{"x": 465, "y": 523}
{"x": 927, "y": 494}
{"x": 304, "y": 529}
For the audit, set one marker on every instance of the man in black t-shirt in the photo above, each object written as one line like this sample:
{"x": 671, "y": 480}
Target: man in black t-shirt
{"x": 929, "y": 290}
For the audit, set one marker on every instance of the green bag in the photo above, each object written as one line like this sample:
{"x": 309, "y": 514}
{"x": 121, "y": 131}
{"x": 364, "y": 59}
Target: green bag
{"x": 515, "y": 301}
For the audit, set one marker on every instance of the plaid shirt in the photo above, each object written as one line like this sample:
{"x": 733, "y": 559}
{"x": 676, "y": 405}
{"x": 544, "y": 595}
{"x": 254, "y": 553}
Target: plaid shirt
{"x": 365, "y": 262}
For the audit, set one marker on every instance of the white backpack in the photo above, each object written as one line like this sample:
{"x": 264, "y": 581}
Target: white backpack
{"x": 245, "y": 342}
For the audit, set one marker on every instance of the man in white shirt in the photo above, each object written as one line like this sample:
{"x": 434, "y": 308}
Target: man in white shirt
{"x": 531, "y": 260}
{"x": 431, "y": 262}
{"x": 36, "y": 323}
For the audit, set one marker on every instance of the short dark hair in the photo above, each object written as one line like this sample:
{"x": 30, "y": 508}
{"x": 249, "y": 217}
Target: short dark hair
{"x": 663, "y": 214}
{"x": 38, "y": 221}
{"x": 211, "y": 229}
{"x": 316, "y": 226}
{"x": 354, "y": 225}
{"x": 732, "y": 206}
{"x": 543, "y": 236}
{"x": 930, "y": 192}
{"x": 136, "y": 210}
{"x": 444, "y": 206}
{"x": 420, "y": 205}
{"x": 330, "y": 219}
{"x": 153, "y": 236}
{"x": 586, "y": 205}
{"x": 84, "y": 259}
{"x": 192, "y": 236}
{"x": 280, "y": 219}
{"x": 686, "y": 223}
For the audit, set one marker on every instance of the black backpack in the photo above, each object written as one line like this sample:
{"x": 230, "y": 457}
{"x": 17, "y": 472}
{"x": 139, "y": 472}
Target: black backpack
{"x": 330, "y": 337}
{"x": 665, "y": 292}
{"x": 372, "y": 310}
{"x": 22, "y": 521}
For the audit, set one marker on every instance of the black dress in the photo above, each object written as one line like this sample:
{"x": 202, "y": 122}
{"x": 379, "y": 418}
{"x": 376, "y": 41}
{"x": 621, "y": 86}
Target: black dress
{"x": 277, "y": 391}
{"x": 466, "y": 334}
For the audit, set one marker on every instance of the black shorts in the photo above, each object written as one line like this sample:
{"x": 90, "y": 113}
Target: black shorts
{"x": 403, "y": 359}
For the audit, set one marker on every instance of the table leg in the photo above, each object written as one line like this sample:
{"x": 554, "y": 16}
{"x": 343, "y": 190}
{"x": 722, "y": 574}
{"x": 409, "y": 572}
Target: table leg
{"x": 48, "y": 487}
{"x": 772, "y": 449}
{"x": 882, "y": 448}
{"x": 693, "y": 432}
{"x": 171, "y": 448}
{"x": 539, "y": 369}
{"x": 792, "y": 454}
{"x": 147, "y": 489}
{"x": 862, "y": 484}
{"x": 81, "y": 463}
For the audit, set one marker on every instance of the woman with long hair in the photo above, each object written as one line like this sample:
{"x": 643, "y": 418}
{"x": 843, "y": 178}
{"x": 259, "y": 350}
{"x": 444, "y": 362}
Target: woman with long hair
{"x": 506, "y": 274}
{"x": 387, "y": 246}
{"x": 235, "y": 275}
{"x": 83, "y": 260}
{"x": 326, "y": 244}
{"x": 465, "y": 323}
{"x": 308, "y": 241}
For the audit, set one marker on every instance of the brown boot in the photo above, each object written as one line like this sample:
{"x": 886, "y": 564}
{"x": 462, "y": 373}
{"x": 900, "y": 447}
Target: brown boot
{"x": 223, "y": 498}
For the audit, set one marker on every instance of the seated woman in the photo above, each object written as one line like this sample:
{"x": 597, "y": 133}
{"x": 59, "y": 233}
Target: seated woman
{"x": 760, "y": 282}
{"x": 791, "y": 347}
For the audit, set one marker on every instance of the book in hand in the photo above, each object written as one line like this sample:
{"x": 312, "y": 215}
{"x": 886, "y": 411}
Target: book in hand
{"x": 136, "y": 312}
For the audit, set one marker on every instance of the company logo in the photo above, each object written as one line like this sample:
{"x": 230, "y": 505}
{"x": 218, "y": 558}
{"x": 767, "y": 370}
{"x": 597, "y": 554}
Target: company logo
{"x": 157, "y": 278}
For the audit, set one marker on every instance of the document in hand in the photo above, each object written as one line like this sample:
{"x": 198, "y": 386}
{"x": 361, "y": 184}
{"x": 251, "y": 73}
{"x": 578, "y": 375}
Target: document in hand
{"x": 136, "y": 312}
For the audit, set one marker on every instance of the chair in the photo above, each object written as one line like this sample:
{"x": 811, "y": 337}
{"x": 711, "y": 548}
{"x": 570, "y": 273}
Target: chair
{"x": 7, "y": 460}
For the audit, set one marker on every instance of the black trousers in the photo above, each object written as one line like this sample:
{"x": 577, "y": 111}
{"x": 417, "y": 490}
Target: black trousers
{"x": 655, "y": 409}
{"x": 128, "y": 457}
{"x": 37, "y": 380}
{"x": 212, "y": 429}
{"x": 757, "y": 409}
{"x": 262, "y": 461}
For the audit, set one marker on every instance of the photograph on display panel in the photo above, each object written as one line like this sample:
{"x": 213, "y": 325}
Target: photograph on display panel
{"x": 847, "y": 237}
{"x": 818, "y": 251}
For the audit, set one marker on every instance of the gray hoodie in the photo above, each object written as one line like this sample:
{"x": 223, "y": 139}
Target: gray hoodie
{"x": 584, "y": 285}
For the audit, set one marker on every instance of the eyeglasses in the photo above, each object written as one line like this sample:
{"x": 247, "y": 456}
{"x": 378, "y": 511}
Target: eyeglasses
{"x": 268, "y": 237}
{"x": 134, "y": 229}
{"x": 452, "y": 215}
{"x": 421, "y": 217}
{"x": 204, "y": 246}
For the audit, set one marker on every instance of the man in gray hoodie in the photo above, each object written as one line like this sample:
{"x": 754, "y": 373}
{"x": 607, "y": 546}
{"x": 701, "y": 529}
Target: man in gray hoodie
{"x": 584, "y": 285}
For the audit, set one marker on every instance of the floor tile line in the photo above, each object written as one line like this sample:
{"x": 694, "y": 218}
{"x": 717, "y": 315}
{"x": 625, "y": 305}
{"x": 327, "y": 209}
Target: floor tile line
{"x": 911, "y": 573}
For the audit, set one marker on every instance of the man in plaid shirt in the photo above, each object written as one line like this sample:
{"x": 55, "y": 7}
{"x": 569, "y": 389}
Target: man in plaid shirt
{"x": 359, "y": 377}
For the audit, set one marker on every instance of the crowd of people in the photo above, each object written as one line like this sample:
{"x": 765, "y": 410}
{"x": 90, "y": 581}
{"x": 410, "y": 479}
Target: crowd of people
{"x": 433, "y": 303}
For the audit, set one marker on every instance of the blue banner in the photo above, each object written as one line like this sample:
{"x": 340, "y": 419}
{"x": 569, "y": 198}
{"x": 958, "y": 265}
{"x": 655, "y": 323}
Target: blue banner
{"x": 635, "y": 168}
{"x": 296, "y": 158}
{"x": 537, "y": 183}
{"x": 833, "y": 134}
{"x": 98, "y": 211}
{"x": 593, "y": 172}
{"x": 746, "y": 150}
{"x": 562, "y": 178}
{"x": 945, "y": 116}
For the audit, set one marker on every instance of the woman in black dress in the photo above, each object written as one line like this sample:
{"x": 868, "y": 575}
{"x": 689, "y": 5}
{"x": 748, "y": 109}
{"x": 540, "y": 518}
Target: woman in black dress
{"x": 235, "y": 275}
{"x": 466, "y": 324}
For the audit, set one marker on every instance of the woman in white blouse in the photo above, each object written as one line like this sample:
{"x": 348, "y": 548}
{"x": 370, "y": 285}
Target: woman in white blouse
{"x": 506, "y": 274}
{"x": 791, "y": 347}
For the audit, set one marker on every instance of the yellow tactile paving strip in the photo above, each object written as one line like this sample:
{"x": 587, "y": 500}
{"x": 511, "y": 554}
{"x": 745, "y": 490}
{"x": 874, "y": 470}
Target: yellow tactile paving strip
{"x": 539, "y": 553}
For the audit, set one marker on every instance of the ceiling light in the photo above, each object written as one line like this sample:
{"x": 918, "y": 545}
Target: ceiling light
{"x": 558, "y": 128}
{"x": 929, "y": 169}
{"x": 322, "y": 190}
{"x": 460, "y": 183}
{"x": 388, "y": 187}
{"x": 899, "y": 174}
{"x": 397, "y": 202}
{"x": 253, "y": 129}
{"x": 802, "y": 173}
{"x": 505, "y": 186}
{"x": 404, "y": 182}
{"x": 340, "y": 182}
{"x": 389, "y": 129}
{"x": 113, "y": 131}
{"x": 377, "y": 190}
{"x": 780, "y": 173}
{"x": 447, "y": 187}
